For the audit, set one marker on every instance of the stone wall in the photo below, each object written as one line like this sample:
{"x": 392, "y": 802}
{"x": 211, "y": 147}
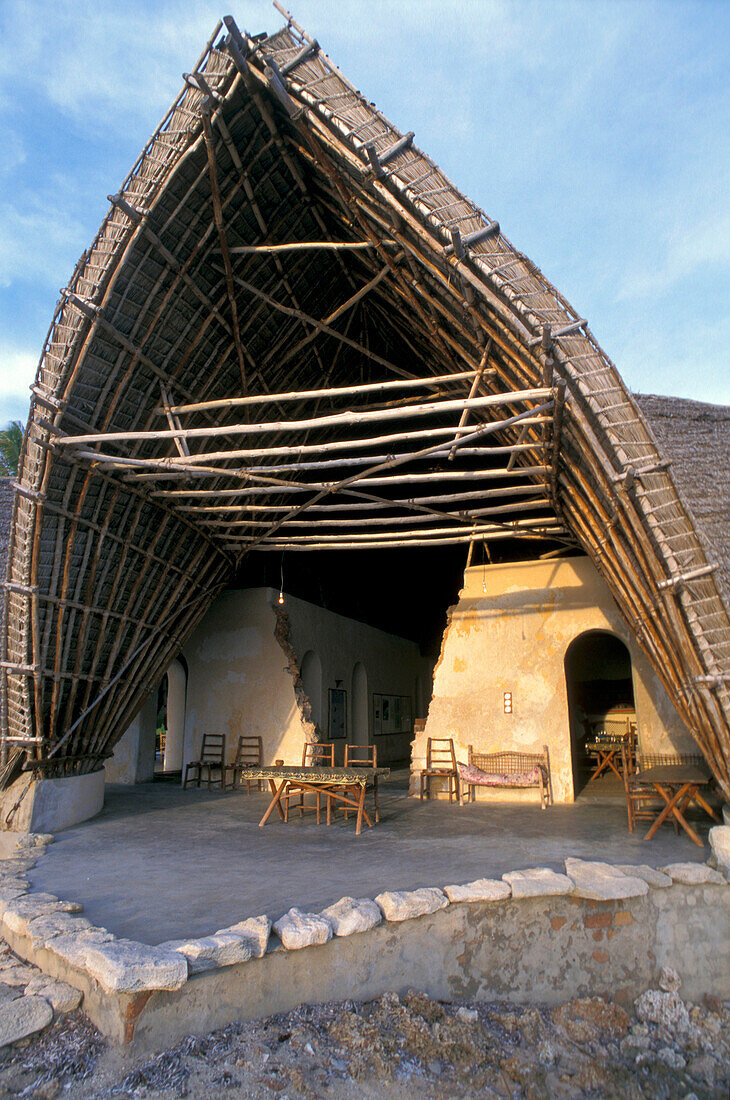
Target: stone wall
{"x": 535, "y": 936}
{"x": 510, "y": 632}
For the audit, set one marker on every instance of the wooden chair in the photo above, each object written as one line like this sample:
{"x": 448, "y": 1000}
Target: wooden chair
{"x": 364, "y": 756}
{"x": 314, "y": 755}
{"x": 249, "y": 754}
{"x": 212, "y": 758}
{"x": 642, "y": 801}
{"x": 440, "y": 764}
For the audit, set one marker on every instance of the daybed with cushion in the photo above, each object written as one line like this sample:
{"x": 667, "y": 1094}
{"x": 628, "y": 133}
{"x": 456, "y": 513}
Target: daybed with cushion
{"x": 516, "y": 770}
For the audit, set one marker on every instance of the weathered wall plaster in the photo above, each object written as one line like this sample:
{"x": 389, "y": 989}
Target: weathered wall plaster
{"x": 244, "y": 665}
{"x": 49, "y": 805}
{"x": 391, "y": 665}
{"x": 240, "y": 680}
{"x": 510, "y": 632}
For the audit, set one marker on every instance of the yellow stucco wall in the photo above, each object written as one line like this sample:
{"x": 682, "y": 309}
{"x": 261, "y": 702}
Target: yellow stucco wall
{"x": 509, "y": 632}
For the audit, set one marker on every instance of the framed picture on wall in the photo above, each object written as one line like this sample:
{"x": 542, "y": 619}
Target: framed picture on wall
{"x": 337, "y": 724}
{"x": 391, "y": 713}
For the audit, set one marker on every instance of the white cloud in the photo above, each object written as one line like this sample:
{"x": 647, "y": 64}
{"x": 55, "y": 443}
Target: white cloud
{"x": 681, "y": 252}
{"x": 17, "y": 372}
{"x": 94, "y": 61}
{"x": 36, "y": 243}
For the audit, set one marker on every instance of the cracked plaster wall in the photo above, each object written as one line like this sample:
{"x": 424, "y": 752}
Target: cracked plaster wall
{"x": 509, "y": 632}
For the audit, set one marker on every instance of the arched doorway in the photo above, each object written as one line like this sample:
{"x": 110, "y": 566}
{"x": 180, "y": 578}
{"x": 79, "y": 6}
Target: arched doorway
{"x": 599, "y": 683}
{"x": 360, "y": 709}
{"x": 175, "y": 717}
{"x": 312, "y": 685}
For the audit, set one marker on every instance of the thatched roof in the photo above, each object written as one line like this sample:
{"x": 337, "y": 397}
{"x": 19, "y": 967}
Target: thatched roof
{"x": 695, "y": 437}
{"x": 293, "y": 332}
{"x": 7, "y": 495}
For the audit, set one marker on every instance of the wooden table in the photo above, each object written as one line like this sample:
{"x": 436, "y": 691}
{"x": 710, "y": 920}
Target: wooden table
{"x": 604, "y": 752}
{"x": 678, "y": 785}
{"x": 345, "y": 786}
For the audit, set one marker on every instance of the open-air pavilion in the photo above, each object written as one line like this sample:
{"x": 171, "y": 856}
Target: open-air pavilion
{"x": 295, "y": 357}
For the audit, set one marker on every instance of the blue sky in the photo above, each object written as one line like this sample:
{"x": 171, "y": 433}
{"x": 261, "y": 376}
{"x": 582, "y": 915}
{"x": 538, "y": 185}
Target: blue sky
{"x": 598, "y": 134}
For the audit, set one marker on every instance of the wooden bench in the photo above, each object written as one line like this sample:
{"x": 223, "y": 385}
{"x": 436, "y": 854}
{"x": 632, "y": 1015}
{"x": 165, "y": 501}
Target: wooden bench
{"x": 515, "y": 770}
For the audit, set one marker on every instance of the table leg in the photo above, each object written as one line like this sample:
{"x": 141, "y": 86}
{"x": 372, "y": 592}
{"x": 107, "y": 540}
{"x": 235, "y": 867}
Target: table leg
{"x": 360, "y": 808}
{"x": 672, "y": 807}
{"x": 272, "y": 785}
{"x": 274, "y": 802}
{"x": 613, "y": 767}
{"x": 708, "y": 809}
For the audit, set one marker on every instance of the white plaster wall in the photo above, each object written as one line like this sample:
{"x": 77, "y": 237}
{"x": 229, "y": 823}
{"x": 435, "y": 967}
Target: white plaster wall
{"x": 509, "y": 632}
{"x": 391, "y": 665}
{"x": 238, "y": 679}
{"x": 134, "y": 754}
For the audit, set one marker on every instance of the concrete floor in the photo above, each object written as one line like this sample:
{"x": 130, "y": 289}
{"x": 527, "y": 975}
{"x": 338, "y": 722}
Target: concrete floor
{"x": 159, "y": 863}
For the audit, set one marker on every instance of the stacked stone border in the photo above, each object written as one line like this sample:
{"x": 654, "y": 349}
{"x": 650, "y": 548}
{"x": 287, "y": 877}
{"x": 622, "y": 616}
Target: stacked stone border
{"x": 534, "y": 933}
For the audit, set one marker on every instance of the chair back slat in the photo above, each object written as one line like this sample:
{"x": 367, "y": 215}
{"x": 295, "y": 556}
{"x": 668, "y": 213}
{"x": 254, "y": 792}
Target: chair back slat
{"x": 440, "y": 753}
{"x": 318, "y": 755}
{"x": 361, "y": 756}
{"x": 249, "y": 752}
{"x": 213, "y": 748}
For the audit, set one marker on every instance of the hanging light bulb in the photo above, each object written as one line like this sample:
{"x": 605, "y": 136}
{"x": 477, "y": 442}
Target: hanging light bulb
{"x": 281, "y": 584}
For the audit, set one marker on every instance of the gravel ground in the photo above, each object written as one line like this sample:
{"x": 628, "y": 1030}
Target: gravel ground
{"x": 405, "y": 1047}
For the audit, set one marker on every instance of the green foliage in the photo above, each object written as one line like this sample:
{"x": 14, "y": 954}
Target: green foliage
{"x": 11, "y": 439}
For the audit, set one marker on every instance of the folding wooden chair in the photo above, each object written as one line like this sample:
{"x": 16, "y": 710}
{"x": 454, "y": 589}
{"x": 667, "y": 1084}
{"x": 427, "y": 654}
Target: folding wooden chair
{"x": 249, "y": 754}
{"x": 440, "y": 764}
{"x": 364, "y": 756}
{"x": 212, "y": 758}
{"x": 314, "y": 755}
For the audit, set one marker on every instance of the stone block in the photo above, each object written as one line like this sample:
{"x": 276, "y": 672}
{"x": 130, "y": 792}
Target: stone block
{"x": 61, "y": 996}
{"x": 693, "y": 874}
{"x": 602, "y": 881}
{"x": 482, "y": 889}
{"x": 534, "y": 882}
{"x": 23, "y": 1017}
{"x": 10, "y": 992}
{"x": 17, "y": 865}
{"x": 73, "y": 947}
{"x": 19, "y": 974}
{"x": 297, "y": 929}
{"x": 11, "y": 892}
{"x": 21, "y": 911}
{"x": 398, "y": 905}
{"x": 209, "y": 952}
{"x": 657, "y": 879}
{"x": 350, "y": 915}
{"x": 34, "y": 840}
{"x": 124, "y": 966}
{"x": 43, "y": 929}
{"x": 255, "y": 931}
{"x": 719, "y": 838}
{"x": 669, "y": 980}
{"x": 666, "y": 1009}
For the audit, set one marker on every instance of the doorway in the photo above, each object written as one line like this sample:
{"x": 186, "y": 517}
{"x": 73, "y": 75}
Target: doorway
{"x": 360, "y": 709}
{"x": 599, "y": 683}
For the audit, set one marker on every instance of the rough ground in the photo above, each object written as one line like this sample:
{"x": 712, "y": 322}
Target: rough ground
{"x": 405, "y": 1047}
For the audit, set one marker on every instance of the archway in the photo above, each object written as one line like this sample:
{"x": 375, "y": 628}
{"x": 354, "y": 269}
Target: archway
{"x": 312, "y": 685}
{"x": 175, "y": 718}
{"x": 360, "y": 708}
{"x": 599, "y": 684}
